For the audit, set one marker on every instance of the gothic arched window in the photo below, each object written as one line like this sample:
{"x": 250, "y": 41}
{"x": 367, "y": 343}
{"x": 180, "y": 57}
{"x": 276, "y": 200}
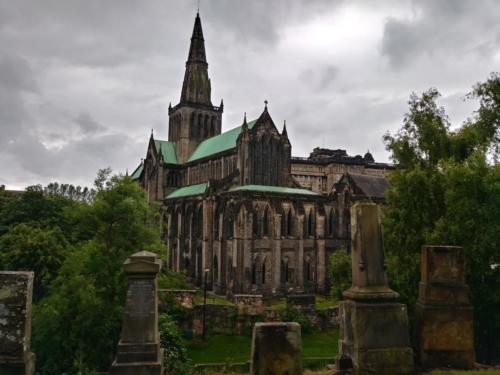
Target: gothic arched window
{"x": 331, "y": 222}
{"x": 255, "y": 223}
{"x": 216, "y": 268}
{"x": 265, "y": 223}
{"x": 254, "y": 272}
{"x": 263, "y": 271}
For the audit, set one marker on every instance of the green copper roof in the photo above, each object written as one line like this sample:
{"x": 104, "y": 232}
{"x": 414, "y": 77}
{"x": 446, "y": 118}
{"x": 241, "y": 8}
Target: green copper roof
{"x": 188, "y": 190}
{"x": 219, "y": 143}
{"x": 273, "y": 189}
{"x": 167, "y": 150}
{"x": 137, "y": 173}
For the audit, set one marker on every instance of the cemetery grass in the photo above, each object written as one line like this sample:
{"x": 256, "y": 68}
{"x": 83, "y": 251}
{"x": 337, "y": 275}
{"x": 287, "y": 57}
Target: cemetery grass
{"x": 236, "y": 349}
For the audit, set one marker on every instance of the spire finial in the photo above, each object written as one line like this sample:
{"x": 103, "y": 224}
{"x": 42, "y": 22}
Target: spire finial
{"x": 265, "y": 104}
{"x": 245, "y": 118}
{"x": 284, "y": 129}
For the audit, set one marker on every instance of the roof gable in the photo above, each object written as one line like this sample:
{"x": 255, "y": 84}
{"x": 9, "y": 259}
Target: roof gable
{"x": 371, "y": 186}
{"x": 219, "y": 143}
{"x": 167, "y": 150}
{"x": 136, "y": 174}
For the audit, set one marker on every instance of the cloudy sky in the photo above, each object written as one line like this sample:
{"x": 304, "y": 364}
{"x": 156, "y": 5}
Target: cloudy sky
{"x": 83, "y": 82}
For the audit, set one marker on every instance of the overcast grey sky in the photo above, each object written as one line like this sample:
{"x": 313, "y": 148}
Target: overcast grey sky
{"x": 83, "y": 82}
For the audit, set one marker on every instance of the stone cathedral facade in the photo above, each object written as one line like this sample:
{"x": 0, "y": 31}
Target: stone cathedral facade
{"x": 238, "y": 206}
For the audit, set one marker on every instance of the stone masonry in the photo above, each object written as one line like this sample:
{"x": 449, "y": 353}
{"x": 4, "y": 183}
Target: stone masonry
{"x": 139, "y": 351}
{"x": 276, "y": 349}
{"x": 16, "y": 291}
{"x": 443, "y": 313}
{"x": 374, "y": 331}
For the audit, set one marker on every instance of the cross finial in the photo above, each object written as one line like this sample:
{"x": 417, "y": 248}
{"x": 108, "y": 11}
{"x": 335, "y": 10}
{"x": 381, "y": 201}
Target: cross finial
{"x": 265, "y": 103}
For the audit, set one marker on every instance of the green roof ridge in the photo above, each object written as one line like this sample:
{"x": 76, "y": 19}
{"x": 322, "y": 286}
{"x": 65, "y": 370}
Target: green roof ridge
{"x": 186, "y": 191}
{"x": 273, "y": 189}
{"x": 167, "y": 149}
{"x": 219, "y": 143}
{"x": 136, "y": 174}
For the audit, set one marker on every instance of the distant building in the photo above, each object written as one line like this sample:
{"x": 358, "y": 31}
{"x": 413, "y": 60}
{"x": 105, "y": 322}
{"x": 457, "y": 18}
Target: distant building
{"x": 237, "y": 203}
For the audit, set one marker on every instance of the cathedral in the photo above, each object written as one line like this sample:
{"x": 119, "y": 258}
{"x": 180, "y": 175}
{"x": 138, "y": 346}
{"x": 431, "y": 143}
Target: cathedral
{"x": 238, "y": 208}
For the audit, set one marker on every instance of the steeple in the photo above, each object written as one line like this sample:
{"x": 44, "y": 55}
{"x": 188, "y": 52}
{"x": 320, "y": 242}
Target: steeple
{"x": 196, "y": 86}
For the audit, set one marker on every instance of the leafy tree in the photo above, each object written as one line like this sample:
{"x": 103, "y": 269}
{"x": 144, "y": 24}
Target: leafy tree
{"x": 340, "y": 272}
{"x": 34, "y": 207}
{"x": 447, "y": 191}
{"x": 175, "y": 352}
{"x": 76, "y": 327}
{"x": 30, "y": 248}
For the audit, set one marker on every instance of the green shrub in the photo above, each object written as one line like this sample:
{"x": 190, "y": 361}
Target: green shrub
{"x": 294, "y": 315}
{"x": 175, "y": 352}
{"x": 340, "y": 272}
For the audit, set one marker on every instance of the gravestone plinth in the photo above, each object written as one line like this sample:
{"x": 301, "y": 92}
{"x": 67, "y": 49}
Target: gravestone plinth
{"x": 443, "y": 313}
{"x": 16, "y": 291}
{"x": 276, "y": 349}
{"x": 301, "y": 301}
{"x": 139, "y": 351}
{"x": 374, "y": 331}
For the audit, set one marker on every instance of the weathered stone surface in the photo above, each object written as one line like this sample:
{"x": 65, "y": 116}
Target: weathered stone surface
{"x": 374, "y": 326}
{"x": 139, "y": 350}
{"x": 301, "y": 301}
{"x": 276, "y": 349}
{"x": 251, "y": 304}
{"x": 444, "y": 315}
{"x": 16, "y": 290}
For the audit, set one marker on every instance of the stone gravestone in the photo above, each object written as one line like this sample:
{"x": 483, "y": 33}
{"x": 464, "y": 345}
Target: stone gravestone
{"x": 443, "y": 312}
{"x": 276, "y": 349}
{"x": 139, "y": 351}
{"x": 16, "y": 291}
{"x": 374, "y": 333}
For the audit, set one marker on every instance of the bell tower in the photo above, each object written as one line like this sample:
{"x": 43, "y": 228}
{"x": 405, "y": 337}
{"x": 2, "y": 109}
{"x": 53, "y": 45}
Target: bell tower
{"x": 194, "y": 119}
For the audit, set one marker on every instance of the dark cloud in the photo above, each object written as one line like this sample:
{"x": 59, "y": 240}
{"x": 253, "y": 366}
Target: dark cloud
{"x": 441, "y": 27}
{"x": 83, "y": 82}
{"x": 320, "y": 78}
{"x": 87, "y": 124}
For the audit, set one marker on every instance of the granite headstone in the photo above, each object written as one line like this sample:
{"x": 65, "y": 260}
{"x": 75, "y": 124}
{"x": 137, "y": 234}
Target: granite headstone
{"x": 139, "y": 351}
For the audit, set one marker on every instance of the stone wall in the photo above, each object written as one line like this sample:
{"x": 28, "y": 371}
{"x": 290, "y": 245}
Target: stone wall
{"x": 16, "y": 291}
{"x": 184, "y": 297}
{"x": 239, "y": 320}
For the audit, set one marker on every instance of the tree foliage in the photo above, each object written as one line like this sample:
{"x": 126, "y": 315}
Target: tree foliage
{"x": 447, "y": 192}
{"x": 76, "y": 326}
{"x": 340, "y": 272}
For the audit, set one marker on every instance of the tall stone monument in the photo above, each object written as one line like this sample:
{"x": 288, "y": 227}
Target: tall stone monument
{"x": 276, "y": 349}
{"x": 16, "y": 291}
{"x": 443, "y": 312}
{"x": 374, "y": 331}
{"x": 139, "y": 351}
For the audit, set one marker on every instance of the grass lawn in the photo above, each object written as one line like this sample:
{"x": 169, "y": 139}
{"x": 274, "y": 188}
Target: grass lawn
{"x": 321, "y": 344}
{"x": 232, "y": 349}
{"x": 211, "y": 299}
{"x": 220, "y": 349}
{"x": 322, "y": 302}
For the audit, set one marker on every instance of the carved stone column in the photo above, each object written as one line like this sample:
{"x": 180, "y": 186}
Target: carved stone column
{"x": 444, "y": 315}
{"x": 139, "y": 349}
{"x": 276, "y": 261}
{"x": 320, "y": 253}
{"x": 374, "y": 331}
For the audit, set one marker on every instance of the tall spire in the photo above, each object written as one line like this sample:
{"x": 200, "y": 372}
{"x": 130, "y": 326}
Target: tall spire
{"x": 196, "y": 86}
